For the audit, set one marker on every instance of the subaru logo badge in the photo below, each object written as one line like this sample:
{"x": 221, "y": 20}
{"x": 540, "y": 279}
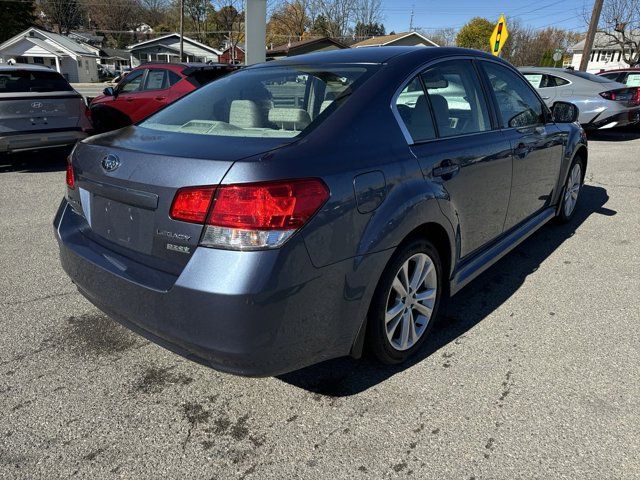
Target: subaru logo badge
{"x": 110, "y": 162}
{"x": 36, "y": 104}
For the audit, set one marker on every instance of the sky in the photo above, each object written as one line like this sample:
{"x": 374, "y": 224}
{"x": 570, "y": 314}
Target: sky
{"x": 430, "y": 15}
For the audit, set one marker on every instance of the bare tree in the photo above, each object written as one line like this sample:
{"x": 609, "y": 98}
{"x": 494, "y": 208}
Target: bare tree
{"x": 620, "y": 25}
{"x": 445, "y": 37}
{"x": 155, "y": 12}
{"x": 338, "y": 15}
{"x": 63, "y": 16}
{"x": 367, "y": 12}
{"x": 117, "y": 19}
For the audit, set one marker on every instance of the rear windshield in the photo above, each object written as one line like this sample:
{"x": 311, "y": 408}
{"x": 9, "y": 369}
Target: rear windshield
{"x": 274, "y": 102}
{"x": 21, "y": 81}
{"x": 588, "y": 76}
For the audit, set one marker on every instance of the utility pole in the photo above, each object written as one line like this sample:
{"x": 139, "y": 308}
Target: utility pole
{"x": 181, "y": 30}
{"x": 411, "y": 19}
{"x": 591, "y": 34}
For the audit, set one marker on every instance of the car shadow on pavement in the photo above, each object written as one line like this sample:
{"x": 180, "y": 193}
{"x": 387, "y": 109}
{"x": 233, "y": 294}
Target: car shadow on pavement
{"x": 49, "y": 160}
{"x": 346, "y": 376}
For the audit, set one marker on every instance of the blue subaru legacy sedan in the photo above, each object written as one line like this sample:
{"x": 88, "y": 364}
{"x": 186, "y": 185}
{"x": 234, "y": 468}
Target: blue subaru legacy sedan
{"x": 317, "y": 206}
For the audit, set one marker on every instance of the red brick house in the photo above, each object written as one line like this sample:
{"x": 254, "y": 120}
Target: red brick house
{"x": 232, "y": 55}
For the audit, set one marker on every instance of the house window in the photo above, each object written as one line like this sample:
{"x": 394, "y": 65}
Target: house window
{"x": 52, "y": 62}
{"x": 38, "y": 60}
{"x": 607, "y": 56}
{"x": 593, "y": 54}
{"x": 79, "y": 62}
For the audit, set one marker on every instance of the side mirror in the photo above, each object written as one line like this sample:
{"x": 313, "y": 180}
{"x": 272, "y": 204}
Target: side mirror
{"x": 564, "y": 112}
{"x": 109, "y": 92}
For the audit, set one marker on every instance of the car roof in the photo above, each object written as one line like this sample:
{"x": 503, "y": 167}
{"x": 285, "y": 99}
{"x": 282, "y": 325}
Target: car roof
{"x": 25, "y": 66}
{"x": 182, "y": 65}
{"x": 376, "y": 55}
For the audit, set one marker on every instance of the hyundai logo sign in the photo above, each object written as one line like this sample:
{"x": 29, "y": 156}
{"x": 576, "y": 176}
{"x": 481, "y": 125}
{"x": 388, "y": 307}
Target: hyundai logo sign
{"x": 36, "y": 104}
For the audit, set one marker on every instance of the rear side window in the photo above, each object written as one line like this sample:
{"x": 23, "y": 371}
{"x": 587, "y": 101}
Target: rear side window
{"x": 21, "y": 81}
{"x": 173, "y": 78}
{"x": 456, "y": 100}
{"x": 518, "y": 105}
{"x": 414, "y": 112}
{"x": 156, "y": 80}
{"x": 554, "y": 81}
{"x": 274, "y": 102}
{"x": 633, "y": 80}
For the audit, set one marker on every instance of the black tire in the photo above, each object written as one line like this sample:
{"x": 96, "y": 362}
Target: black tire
{"x": 377, "y": 340}
{"x": 565, "y": 216}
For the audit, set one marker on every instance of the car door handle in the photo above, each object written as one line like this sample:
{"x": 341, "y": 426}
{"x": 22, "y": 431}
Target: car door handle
{"x": 128, "y": 99}
{"x": 160, "y": 98}
{"x": 446, "y": 169}
{"x": 546, "y": 98}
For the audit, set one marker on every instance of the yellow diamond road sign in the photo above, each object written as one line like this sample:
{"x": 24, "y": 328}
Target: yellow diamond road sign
{"x": 499, "y": 36}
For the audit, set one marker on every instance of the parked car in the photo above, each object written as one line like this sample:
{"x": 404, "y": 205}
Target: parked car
{"x": 629, "y": 76}
{"x": 259, "y": 234}
{"x": 39, "y": 109}
{"x": 147, "y": 89}
{"x": 603, "y": 103}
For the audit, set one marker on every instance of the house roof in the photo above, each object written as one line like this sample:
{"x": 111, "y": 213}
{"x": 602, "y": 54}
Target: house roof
{"x": 389, "y": 39}
{"x": 65, "y": 44}
{"x": 285, "y": 49}
{"x": 602, "y": 40}
{"x": 177, "y": 35}
{"x": 115, "y": 53}
{"x": 87, "y": 36}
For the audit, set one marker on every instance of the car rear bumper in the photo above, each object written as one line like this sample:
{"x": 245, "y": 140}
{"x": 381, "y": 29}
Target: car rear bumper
{"x": 622, "y": 119}
{"x": 248, "y": 313}
{"x": 33, "y": 141}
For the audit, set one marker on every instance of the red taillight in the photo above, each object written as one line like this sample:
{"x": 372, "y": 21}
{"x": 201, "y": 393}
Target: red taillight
{"x": 250, "y": 216}
{"x": 611, "y": 95}
{"x": 191, "y": 204}
{"x": 71, "y": 179}
{"x": 629, "y": 96}
{"x": 268, "y": 206}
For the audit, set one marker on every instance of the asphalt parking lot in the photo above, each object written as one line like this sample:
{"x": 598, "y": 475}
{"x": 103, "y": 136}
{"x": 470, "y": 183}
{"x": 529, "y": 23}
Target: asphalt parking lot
{"x": 533, "y": 372}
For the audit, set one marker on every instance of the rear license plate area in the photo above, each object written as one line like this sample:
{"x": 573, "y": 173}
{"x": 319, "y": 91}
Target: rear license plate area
{"x": 128, "y": 226}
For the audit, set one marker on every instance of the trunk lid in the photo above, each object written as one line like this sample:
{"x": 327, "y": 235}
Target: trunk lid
{"x": 33, "y": 112}
{"x": 125, "y": 188}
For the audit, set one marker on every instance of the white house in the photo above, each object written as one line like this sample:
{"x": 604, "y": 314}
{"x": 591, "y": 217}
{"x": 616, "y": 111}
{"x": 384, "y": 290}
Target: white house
{"x": 167, "y": 49}
{"x": 605, "y": 55}
{"x": 73, "y": 59}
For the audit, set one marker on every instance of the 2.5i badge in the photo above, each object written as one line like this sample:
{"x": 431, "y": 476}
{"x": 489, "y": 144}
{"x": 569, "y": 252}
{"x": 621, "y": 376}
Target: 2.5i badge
{"x": 178, "y": 248}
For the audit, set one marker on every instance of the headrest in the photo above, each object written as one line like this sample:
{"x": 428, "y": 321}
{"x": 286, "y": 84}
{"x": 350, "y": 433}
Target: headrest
{"x": 244, "y": 114}
{"x": 434, "y": 80}
{"x": 290, "y": 118}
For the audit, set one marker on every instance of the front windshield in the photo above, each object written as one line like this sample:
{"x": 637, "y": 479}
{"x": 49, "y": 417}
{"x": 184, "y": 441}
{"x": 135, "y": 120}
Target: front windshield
{"x": 272, "y": 102}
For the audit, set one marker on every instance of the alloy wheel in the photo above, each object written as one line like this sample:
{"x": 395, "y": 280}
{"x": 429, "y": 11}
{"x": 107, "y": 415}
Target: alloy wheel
{"x": 410, "y": 301}
{"x": 572, "y": 189}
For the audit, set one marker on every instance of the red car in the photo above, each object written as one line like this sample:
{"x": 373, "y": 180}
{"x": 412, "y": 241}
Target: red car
{"x": 147, "y": 89}
{"x": 629, "y": 76}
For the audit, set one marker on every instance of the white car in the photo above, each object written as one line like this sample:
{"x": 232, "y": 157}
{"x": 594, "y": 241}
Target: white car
{"x": 39, "y": 109}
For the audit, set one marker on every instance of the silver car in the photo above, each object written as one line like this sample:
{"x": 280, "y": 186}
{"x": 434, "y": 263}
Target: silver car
{"x": 603, "y": 103}
{"x": 39, "y": 109}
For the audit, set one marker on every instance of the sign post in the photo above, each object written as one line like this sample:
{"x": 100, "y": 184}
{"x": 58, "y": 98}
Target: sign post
{"x": 499, "y": 36}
